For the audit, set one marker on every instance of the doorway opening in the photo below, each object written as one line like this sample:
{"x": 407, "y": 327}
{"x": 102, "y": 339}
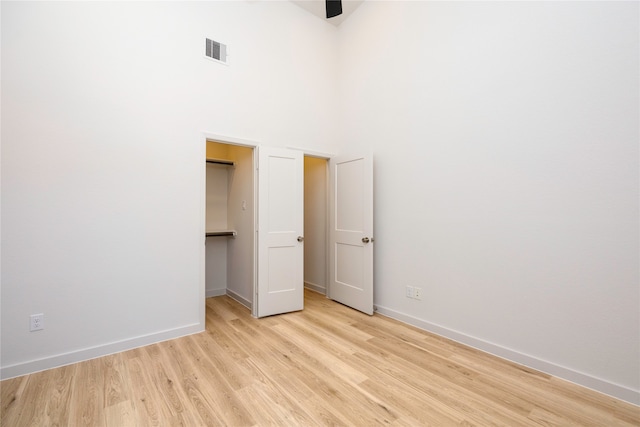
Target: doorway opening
{"x": 316, "y": 222}
{"x": 230, "y": 219}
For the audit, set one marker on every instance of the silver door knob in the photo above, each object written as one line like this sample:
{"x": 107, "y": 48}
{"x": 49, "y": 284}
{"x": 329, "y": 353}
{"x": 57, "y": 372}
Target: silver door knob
{"x": 300, "y": 238}
{"x": 365, "y": 240}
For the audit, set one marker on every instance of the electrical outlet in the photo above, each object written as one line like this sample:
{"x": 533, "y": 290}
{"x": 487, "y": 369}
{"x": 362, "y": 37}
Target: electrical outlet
{"x": 409, "y": 292}
{"x": 417, "y": 293}
{"x": 36, "y": 322}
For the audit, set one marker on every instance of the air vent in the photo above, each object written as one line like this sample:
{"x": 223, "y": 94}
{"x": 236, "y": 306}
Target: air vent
{"x": 216, "y": 50}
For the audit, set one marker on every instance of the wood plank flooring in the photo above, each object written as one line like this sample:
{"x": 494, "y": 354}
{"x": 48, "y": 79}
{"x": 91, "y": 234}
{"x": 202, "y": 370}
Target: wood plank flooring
{"x": 325, "y": 365}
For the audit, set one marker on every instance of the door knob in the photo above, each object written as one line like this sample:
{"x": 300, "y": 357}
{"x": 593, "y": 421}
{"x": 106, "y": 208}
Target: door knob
{"x": 300, "y": 238}
{"x": 365, "y": 240}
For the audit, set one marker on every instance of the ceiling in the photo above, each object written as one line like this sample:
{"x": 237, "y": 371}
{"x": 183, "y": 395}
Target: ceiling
{"x": 317, "y": 7}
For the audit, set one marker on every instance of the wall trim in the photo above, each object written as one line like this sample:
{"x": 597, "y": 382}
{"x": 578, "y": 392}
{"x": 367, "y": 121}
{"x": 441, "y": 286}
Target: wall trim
{"x": 88, "y": 353}
{"x": 317, "y": 288}
{"x": 242, "y": 300}
{"x": 215, "y": 293}
{"x": 562, "y": 372}
{"x": 311, "y": 153}
{"x": 225, "y": 139}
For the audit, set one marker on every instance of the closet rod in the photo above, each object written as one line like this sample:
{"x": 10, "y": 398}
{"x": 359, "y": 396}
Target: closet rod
{"x": 221, "y": 162}
{"x": 221, "y": 233}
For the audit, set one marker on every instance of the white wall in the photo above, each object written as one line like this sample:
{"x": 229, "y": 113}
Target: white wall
{"x": 506, "y": 142}
{"x": 104, "y": 108}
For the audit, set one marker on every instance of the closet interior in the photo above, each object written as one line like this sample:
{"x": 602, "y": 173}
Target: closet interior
{"x": 229, "y": 227}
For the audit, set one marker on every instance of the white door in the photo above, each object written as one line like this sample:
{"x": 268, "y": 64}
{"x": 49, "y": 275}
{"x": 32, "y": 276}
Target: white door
{"x": 351, "y": 232}
{"x": 280, "y": 226}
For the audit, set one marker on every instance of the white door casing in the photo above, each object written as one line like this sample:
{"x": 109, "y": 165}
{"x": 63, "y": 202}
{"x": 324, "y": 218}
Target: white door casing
{"x": 351, "y": 232}
{"x": 280, "y": 287}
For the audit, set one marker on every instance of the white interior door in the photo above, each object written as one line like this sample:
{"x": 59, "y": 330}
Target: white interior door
{"x": 280, "y": 227}
{"x": 351, "y": 232}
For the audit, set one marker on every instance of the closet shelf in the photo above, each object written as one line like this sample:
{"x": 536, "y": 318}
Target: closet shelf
{"x": 230, "y": 233}
{"x": 221, "y": 162}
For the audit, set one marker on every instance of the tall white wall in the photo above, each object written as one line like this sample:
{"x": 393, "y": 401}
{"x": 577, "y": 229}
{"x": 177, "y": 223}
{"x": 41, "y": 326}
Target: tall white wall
{"x": 506, "y": 178}
{"x": 104, "y": 110}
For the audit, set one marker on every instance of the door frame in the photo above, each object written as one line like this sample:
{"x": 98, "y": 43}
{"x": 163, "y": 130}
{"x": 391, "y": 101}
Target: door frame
{"x": 223, "y": 139}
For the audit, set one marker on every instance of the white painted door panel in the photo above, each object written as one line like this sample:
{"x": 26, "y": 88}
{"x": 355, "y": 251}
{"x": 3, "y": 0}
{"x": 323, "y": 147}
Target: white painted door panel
{"x": 280, "y": 223}
{"x": 351, "y": 232}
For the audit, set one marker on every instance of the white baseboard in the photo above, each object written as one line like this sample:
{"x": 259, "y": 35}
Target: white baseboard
{"x": 242, "y": 300}
{"x": 58, "y": 360}
{"x": 318, "y": 288}
{"x": 585, "y": 380}
{"x": 214, "y": 292}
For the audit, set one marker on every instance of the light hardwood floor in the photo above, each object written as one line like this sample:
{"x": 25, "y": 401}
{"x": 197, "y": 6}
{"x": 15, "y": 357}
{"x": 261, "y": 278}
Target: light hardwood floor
{"x": 326, "y": 365}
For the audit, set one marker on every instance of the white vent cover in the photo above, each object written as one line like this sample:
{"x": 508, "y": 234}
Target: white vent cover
{"x": 216, "y": 50}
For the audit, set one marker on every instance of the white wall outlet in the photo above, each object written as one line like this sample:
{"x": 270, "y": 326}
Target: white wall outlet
{"x": 417, "y": 293}
{"x": 36, "y": 322}
{"x": 409, "y": 292}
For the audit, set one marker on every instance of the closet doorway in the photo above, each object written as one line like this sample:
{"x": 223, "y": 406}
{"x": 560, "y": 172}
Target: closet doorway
{"x": 231, "y": 213}
{"x": 316, "y": 222}
{"x": 230, "y": 219}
